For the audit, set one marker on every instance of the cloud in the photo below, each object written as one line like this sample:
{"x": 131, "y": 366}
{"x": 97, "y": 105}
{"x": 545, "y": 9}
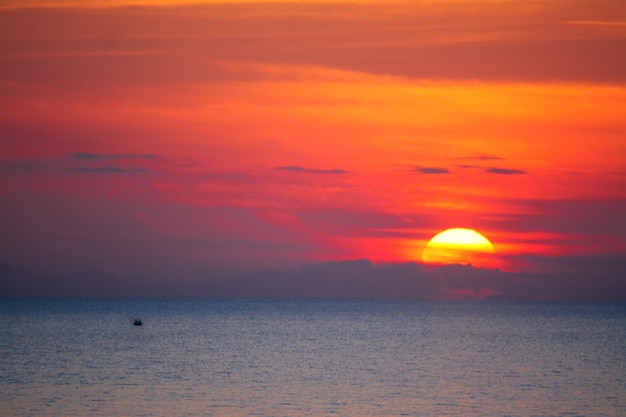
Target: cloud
{"x": 362, "y": 279}
{"x": 361, "y": 223}
{"x": 505, "y": 171}
{"x": 588, "y": 218}
{"x": 463, "y": 43}
{"x": 229, "y": 176}
{"x": 602, "y": 264}
{"x": 109, "y": 169}
{"x": 343, "y": 279}
{"x": 93, "y": 282}
{"x": 25, "y": 167}
{"x": 294, "y": 168}
{"x": 615, "y": 23}
{"x": 99, "y": 157}
{"x": 431, "y": 170}
{"x": 483, "y": 157}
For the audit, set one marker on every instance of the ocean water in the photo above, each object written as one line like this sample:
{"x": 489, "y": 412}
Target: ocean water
{"x": 311, "y": 358}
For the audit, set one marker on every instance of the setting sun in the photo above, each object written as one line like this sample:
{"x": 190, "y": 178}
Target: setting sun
{"x": 218, "y": 148}
{"x": 457, "y": 245}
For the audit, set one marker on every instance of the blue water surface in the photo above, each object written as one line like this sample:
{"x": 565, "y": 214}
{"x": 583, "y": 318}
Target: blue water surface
{"x": 203, "y": 357}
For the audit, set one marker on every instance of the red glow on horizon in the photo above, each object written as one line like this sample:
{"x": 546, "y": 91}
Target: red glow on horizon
{"x": 268, "y": 134}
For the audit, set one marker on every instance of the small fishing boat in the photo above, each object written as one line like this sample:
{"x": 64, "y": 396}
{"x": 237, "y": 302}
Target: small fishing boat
{"x": 138, "y": 322}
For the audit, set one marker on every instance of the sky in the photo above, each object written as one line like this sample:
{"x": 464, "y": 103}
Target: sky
{"x": 312, "y": 148}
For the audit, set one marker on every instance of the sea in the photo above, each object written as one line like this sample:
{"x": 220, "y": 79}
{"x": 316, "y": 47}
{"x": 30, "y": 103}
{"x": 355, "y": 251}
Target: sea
{"x": 206, "y": 357}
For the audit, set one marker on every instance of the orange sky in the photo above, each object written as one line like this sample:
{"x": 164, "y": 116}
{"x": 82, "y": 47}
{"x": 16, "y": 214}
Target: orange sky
{"x": 243, "y": 135}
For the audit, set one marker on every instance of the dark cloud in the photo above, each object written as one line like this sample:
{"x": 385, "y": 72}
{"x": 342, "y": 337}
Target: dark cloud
{"x": 25, "y": 167}
{"x": 21, "y": 167}
{"x": 99, "y": 157}
{"x": 294, "y": 168}
{"x": 602, "y": 264}
{"x": 344, "y": 279}
{"x": 109, "y": 169}
{"x": 362, "y": 279}
{"x": 90, "y": 283}
{"x": 431, "y": 170}
{"x": 505, "y": 171}
{"x": 585, "y": 218}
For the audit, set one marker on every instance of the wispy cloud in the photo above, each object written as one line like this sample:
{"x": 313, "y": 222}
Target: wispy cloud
{"x": 99, "y": 157}
{"x": 109, "y": 169}
{"x": 431, "y": 170}
{"x": 505, "y": 171}
{"x": 482, "y": 157}
{"x": 25, "y": 167}
{"x": 294, "y": 168}
{"x": 597, "y": 22}
{"x": 229, "y": 176}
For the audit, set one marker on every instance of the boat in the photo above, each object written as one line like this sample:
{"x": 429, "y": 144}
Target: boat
{"x": 138, "y": 322}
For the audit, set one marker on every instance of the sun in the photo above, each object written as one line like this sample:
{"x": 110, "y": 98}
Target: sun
{"x": 458, "y": 245}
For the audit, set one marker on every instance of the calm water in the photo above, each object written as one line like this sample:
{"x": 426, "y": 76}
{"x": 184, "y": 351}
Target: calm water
{"x": 311, "y": 358}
